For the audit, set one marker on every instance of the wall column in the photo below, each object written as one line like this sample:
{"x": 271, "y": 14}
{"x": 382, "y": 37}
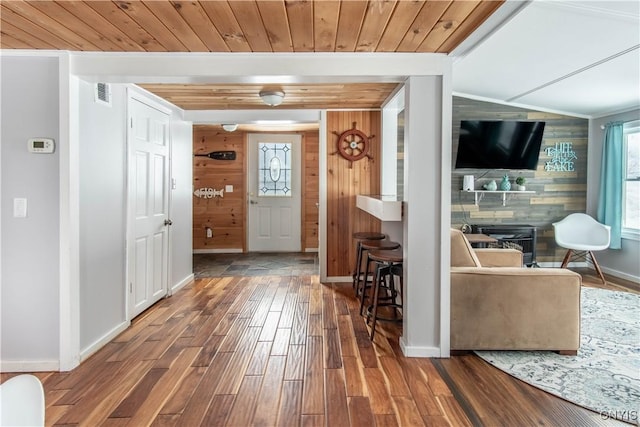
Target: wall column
{"x": 425, "y": 225}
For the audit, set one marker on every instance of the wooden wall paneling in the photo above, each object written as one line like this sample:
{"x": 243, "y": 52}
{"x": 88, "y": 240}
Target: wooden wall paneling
{"x": 344, "y": 182}
{"x": 225, "y": 215}
{"x": 557, "y": 193}
{"x": 311, "y": 192}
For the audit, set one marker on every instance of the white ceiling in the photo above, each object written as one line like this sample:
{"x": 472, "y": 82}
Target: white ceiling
{"x": 575, "y": 57}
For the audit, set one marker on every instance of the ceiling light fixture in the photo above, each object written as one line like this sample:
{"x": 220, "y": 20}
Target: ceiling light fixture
{"x": 229, "y": 127}
{"x": 272, "y": 97}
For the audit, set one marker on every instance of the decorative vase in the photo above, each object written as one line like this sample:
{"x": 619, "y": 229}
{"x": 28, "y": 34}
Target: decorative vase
{"x": 491, "y": 186}
{"x": 505, "y": 185}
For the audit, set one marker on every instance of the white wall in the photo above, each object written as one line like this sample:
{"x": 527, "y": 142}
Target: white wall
{"x": 102, "y": 141}
{"x": 30, "y": 246}
{"x": 624, "y": 262}
{"x": 181, "y": 202}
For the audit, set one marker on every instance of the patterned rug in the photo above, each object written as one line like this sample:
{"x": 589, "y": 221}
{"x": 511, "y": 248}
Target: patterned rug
{"x": 605, "y": 375}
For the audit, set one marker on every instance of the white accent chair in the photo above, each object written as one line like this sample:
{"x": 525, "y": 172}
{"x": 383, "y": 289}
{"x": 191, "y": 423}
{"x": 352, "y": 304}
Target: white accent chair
{"x": 581, "y": 235}
{"x": 22, "y": 401}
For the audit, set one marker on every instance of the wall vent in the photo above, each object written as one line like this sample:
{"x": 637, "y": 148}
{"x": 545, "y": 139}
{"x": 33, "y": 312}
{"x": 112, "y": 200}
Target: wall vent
{"x": 103, "y": 93}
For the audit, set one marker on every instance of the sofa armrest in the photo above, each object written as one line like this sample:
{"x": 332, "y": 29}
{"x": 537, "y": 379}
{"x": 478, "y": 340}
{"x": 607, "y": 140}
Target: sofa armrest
{"x": 510, "y": 308}
{"x": 492, "y": 257}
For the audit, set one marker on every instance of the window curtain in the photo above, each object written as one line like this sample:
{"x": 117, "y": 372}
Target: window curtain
{"x": 611, "y": 181}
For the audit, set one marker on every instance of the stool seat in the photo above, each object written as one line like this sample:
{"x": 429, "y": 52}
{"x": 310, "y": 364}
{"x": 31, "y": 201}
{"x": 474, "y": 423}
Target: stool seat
{"x": 389, "y": 255}
{"x": 361, "y": 236}
{"x": 379, "y": 245}
{"x": 368, "y": 235}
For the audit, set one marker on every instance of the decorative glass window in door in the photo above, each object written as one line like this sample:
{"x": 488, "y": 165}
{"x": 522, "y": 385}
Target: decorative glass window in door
{"x": 274, "y": 169}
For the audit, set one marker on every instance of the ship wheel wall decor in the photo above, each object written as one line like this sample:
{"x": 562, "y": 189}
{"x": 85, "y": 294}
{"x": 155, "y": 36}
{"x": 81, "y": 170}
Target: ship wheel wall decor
{"x": 353, "y": 144}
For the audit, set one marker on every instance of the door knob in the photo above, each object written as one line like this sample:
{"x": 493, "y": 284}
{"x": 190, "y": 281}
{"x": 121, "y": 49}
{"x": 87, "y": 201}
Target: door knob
{"x": 168, "y": 222}
{"x": 253, "y": 202}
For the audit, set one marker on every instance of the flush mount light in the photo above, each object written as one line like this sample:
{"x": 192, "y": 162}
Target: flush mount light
{"x": 272, "y": 97}
{"x": 230, "y": 127}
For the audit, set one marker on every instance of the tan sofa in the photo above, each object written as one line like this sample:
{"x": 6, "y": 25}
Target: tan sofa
{"x": 496, "y": 304}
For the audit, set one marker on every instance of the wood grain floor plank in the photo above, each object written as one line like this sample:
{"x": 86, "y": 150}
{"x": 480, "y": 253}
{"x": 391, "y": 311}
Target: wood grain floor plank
{"x": 360, "y": 414}
{"x": 378, "y": 394}
{"x": 295, "y": 363}
{"x": 245, "y": 402}
{"x": 290, "y": 404}
{"x": 313, "y": 393}
{"x": 218, "y": 410}
{"x": 164, "y": 388}
{"x": 259, "y": 359}
{"x": 281, "y": 342}
{"x": 197, "y": 406}
{"x": 337, "y": 411}
{"x": 353, "y": 377}
{"x": 266, "y": 413}
{"x": 165, "y": 369}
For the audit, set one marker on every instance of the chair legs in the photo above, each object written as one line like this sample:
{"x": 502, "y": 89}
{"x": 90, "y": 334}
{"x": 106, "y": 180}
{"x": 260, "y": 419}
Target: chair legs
{"x": 597, "y": 266}
{"x": 567, "y": 258}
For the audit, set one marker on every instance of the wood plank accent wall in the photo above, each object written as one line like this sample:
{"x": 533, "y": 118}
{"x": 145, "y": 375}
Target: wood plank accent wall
{"x": 344, "y": 183}
{"x": 557, "y": 193}
{"x": 226, "y": 216}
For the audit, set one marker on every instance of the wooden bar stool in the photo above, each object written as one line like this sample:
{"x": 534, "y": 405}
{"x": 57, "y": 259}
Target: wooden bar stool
{"x": 371, "y": 245}
{"x": 388, "y": 264}
{"x": 361, "y": 236}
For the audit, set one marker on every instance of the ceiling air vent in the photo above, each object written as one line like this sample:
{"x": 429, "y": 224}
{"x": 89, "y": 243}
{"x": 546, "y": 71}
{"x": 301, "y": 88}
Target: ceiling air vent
{"x": 103, "y": 93}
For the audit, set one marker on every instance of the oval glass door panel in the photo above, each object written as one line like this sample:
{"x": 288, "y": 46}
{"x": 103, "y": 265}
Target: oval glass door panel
{"x": 274, "y": 169}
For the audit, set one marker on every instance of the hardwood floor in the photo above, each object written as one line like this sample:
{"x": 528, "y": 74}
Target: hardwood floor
{"x": 284, "y": 350}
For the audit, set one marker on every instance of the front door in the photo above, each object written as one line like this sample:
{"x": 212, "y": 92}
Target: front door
{"x": 148, "y": 247}
{"x": 274, "y": 176}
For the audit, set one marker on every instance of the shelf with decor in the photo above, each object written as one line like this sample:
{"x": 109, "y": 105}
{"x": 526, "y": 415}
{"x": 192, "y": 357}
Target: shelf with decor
{"x": 478, "y": 195}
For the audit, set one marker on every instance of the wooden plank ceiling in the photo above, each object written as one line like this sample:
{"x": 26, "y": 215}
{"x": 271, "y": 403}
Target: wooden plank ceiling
{"x": 246, "y": 26}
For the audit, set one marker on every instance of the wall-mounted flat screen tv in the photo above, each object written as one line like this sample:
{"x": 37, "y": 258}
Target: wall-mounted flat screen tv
{"x": 507, "y": 144}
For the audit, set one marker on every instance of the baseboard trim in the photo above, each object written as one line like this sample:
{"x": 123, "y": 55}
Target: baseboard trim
{"x": 218, "y": 251}
{"x": 339, "y": 279}
{"x": 104, "y": 340}
{"x": 29, "y": 366}
{"x": 585, "y": 264}
{"x": 181, "y": 284}
{"x": 311, "y": 250}
{"x": 419, "y": 351}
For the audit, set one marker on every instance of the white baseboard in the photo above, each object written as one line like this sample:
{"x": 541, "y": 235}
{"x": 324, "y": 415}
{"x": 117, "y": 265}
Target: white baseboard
{"x": 181, "y": 284}
{"x": 585, "y": 264}
{"x": 620, "y": 274}
{"x": 311, "y": 250}
{"x": 557, "y": 264}
{"x": 338, "y": 279}
{"x": 218, "y": 251}
{"x": 419, "y": 351}
{"x": 29, "y": 366}
{"x": 102, "y": 341}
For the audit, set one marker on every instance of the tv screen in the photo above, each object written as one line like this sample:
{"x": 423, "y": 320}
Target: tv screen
{"x": 505, "y": 144}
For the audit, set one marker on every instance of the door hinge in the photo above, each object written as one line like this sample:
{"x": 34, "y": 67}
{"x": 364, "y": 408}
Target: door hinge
{"x": 131, "y": 124}
{"x": 130, "y": 287}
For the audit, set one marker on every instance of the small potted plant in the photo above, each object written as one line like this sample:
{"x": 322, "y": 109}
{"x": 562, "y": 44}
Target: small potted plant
{"x": 520, "y": 183}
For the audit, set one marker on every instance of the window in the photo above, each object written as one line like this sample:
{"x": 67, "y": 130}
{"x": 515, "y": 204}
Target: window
{"x": 274, "y": 169}
{"x": 631, "y": 190}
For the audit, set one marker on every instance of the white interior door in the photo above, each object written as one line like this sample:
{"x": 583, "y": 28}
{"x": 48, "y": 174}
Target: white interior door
{"x": 274, "y": 214}
{"x": 148, "y": 242}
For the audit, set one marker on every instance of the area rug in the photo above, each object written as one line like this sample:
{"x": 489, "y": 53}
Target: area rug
{"x": 605, "y": 375}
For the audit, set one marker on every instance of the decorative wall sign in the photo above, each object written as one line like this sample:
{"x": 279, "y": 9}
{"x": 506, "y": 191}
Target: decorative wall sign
{"x": 562, "y": 157}
{"x": 219, "y": 155}
{"x": 208, "y": 193}
{"x": 353, "y": 144}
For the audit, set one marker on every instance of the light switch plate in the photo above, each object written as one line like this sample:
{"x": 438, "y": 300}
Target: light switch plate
{"x": 19, "y": 207}
{"x": 228, "y": 188}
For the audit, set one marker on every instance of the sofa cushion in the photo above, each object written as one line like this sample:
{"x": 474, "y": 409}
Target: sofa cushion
{"x": 462, "y": 254}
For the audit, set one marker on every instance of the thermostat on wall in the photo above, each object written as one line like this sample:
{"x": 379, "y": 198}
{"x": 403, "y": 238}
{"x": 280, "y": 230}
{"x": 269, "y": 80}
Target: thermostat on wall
{"x": 41, "y": 145}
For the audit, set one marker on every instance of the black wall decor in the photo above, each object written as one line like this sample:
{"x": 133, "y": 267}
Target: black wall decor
{"x": 219, "y": 155}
